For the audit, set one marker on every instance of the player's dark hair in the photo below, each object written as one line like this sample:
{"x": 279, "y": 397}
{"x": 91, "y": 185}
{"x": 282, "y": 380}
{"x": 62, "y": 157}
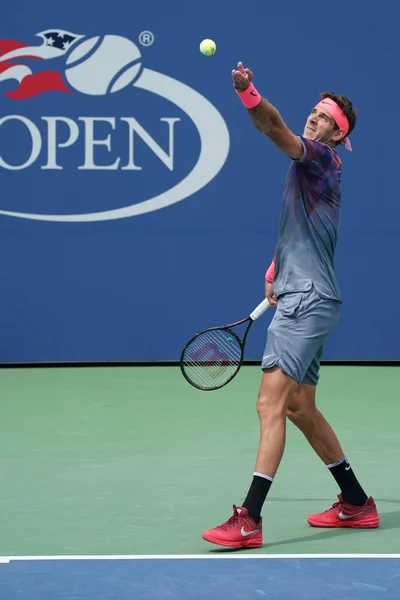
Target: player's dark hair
{"x": 346, "y": 105}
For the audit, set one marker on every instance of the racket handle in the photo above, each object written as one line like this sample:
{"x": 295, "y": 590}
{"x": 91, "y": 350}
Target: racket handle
{"x": 260, "y": 309}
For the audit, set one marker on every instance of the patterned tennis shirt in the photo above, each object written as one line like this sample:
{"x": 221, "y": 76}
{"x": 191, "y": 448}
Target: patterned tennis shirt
{"x": 309, "y": 222}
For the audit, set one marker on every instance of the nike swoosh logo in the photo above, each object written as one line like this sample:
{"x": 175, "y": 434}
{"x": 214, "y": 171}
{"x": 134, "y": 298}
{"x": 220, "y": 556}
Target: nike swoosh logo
{"x": 344, "y": 517}
{"x": 246, "y": 533}
{"x": 253, "y": 94}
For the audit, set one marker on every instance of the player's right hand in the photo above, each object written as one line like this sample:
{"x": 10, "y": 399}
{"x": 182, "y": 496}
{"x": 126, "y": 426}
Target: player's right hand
{"x": 269, "y": 293}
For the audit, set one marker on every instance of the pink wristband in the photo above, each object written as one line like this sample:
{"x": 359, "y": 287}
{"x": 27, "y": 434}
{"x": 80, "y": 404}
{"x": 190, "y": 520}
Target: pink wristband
{"x": 250, "y": 97}
{"x": 269, "y": 275}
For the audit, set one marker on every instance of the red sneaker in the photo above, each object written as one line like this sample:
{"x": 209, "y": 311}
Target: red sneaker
{"x": 343, "y": 514}
{"x": 240, "y": 531}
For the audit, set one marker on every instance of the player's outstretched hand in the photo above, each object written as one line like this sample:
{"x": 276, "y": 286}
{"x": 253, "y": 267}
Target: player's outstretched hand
{"x": 241, "y": 77}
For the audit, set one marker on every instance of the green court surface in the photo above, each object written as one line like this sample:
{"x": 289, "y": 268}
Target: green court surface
{"x": 132, "y": 460}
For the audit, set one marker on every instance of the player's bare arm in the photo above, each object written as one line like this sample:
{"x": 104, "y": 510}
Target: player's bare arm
{"x": 267, "y": 119}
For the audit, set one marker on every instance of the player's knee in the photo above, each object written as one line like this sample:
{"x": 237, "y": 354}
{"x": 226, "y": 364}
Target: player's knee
{"x": 293, "y": 415}
{"x": 269, "y": 406}
{"x": 274, "y": 394}
{"x": 261, "y": 405}
{"x": 300, "y": 415}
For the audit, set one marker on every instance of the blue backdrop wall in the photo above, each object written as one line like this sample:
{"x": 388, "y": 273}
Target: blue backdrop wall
{"x": 138, "y": 202}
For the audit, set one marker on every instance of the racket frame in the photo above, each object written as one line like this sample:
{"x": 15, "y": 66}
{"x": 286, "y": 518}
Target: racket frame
{"x": 240, "y": 341}
{"x": 257, "y": 312}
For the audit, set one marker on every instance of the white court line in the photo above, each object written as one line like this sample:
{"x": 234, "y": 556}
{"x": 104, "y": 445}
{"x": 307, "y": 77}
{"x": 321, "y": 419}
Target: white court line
{"x": 229, "y": 556}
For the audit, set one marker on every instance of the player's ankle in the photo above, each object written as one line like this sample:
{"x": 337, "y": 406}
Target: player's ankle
{"x": 257, "y": 494}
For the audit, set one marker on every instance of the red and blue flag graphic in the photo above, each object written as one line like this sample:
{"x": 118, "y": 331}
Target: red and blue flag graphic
{"x": 36, "y": 79}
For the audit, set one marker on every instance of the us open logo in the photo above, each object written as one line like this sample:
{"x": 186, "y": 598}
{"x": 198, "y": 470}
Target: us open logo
{"x": 103, "y": 66}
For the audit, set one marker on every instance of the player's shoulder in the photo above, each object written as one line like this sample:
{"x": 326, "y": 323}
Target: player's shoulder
{"x": 318, "y": 152}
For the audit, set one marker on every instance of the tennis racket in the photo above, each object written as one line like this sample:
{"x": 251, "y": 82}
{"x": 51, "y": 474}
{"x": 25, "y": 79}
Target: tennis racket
{"x": 213, "y": 357}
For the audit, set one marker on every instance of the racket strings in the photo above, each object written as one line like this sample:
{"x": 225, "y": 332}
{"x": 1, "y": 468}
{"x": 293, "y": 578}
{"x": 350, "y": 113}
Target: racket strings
{"x": 212, "y": 358}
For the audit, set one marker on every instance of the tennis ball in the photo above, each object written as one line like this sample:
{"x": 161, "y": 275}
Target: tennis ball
{"x": 229, "y": 340}
{"x": 208, "y": 47}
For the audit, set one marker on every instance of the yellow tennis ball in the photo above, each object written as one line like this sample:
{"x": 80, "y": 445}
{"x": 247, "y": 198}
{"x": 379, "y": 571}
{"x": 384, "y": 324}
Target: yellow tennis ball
{"x": 208, "y": 47}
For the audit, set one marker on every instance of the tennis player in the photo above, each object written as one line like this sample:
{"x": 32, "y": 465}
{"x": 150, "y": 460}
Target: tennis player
{"x": 301, "y": 283}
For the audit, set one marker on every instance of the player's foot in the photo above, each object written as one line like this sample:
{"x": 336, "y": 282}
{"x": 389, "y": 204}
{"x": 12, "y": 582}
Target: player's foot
{"x": 240, "y": 531}
{"x": 343, "y": 514}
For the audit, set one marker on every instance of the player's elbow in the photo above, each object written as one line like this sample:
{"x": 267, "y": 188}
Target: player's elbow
{"x": 287, "y": 141}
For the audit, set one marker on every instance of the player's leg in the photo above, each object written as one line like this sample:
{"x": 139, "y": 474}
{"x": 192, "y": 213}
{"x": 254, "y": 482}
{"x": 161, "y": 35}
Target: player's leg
{"x": 273, "y": 398}
{"x": 244, "y": 528}
{"x": 291, "y": 346}
{"x": 288, "y": 354}
{"x": 354, "y": 508}
{"x": 303, "y": 413}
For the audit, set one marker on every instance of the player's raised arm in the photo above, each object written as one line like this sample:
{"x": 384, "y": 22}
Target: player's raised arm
{"x": 264, "y": 115}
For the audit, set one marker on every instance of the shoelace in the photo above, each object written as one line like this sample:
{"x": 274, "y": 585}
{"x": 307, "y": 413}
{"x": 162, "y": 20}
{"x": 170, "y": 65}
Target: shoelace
{"x": 232, "y": 520}
{"x": 334, "y": 505}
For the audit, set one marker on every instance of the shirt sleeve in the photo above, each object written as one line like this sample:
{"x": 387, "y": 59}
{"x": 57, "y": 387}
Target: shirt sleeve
{"x": 317, "y": 157}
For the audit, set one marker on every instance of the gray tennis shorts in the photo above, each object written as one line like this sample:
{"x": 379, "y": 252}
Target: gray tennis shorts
{"x": 297, "y": 333}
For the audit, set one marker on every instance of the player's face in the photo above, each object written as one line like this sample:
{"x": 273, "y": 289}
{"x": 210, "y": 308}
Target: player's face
{"x": 321, "y": 127}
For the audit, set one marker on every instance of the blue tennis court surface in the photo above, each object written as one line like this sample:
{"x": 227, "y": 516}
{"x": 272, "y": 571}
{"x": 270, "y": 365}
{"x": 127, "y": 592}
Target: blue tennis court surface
{"x": 226, "y": 577}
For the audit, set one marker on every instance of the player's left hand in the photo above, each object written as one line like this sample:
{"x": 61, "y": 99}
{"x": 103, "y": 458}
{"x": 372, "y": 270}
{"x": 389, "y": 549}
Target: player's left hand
{"x": 241, "y": 78}
{"x": 269, "y": 293}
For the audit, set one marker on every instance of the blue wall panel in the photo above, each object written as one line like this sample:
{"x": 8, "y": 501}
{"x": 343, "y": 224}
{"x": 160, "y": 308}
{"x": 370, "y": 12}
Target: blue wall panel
{"x": 134, "y": 283}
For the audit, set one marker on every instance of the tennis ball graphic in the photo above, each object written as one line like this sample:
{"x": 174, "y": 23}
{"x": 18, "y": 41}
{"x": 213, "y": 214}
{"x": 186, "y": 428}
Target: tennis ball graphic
{"x": 102, "y": 65}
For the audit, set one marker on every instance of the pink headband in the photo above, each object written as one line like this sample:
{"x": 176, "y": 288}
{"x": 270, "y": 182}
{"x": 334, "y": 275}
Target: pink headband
{"x": 340, "y": 119}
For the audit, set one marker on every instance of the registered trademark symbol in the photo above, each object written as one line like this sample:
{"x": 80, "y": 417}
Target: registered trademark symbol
{"x": 146, "y": 38}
